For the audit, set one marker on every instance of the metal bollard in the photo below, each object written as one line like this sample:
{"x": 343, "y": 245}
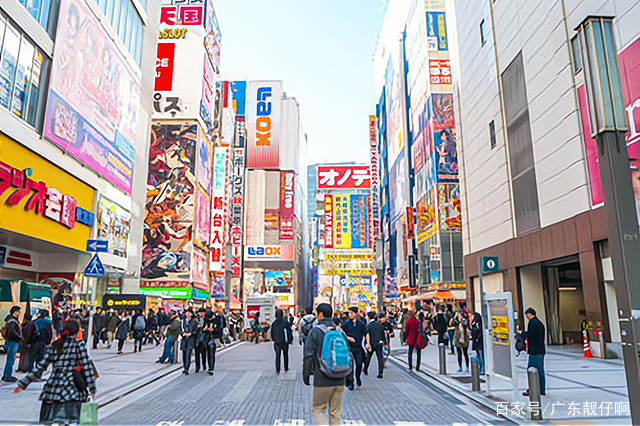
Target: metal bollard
{"x": 175, "y": 351}
{"x": 443, "y": 358}
{"x": 475, "y": 374}
{"x": 534, "y": 393}
{"x": 603, "y": 349}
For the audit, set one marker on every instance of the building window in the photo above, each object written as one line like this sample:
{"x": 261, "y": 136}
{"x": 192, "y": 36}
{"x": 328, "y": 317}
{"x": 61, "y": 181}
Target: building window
{"x": 39, "y": 9}
{"x": 483, "y": 33}
{"x": 577, "y": 59}
{"x": 126, "y": 22}
{"x": 492, "y": 134}
{"x": 21, "y": 73}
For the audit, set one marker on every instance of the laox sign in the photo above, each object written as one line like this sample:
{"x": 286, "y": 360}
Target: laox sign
{"x": 263, "y": 120}
{"x": 265, "y": 251}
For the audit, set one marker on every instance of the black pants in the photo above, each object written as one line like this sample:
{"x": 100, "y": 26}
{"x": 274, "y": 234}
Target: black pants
{"x": 120, "y": 344}
{"x": 201, "y": 353}
{"x": 418, "y": 356}
{"x": 464, "y": 351}
{"x": 151, "y": 335}
{"x": 284, "y": 349}
{"x": 186, "y": 358}
{"x": 96, "y": 339}
{"x": 358, "y": 359}
{"x": 378, "y": 351}
{"x": 211, "y": 354}
{"x": 36, "y": 353}
{"x": 256, "y": 334}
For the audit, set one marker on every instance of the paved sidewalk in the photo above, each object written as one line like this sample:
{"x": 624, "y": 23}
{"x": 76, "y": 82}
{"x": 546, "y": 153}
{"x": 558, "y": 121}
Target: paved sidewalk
{"x": 572, "y": 382}
{"x": 118, "y": 374}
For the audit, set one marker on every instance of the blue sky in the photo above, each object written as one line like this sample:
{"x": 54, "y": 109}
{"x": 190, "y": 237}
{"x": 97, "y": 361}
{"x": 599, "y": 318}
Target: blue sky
{"x": 322, "y": 50}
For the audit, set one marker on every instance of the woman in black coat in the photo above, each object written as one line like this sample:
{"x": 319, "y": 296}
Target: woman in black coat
{"x": 477, "y": 341}
{"x": 282, "y": 337}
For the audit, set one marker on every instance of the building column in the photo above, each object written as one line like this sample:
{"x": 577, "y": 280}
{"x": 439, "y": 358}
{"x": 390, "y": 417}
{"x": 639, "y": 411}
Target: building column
{"x": 593, "y": 291}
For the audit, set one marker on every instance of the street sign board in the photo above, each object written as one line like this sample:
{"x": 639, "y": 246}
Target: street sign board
{"x": 98, "y": 246}
{"x": 489, "y": 264}
{"x": 94, "y": 268}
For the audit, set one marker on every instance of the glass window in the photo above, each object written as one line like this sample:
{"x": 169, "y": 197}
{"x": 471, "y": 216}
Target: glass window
{"x": 128, "y": 31}
{"x": 8, "y": 64}
{"x": 138, "y": 43}
{"x": 577, "y": 59}
{"x": 117, "y": 6}
{"x": 492, "y": 134}
{"x": 110, "y": 7}
{"x": 124, "y": 16}
{"x": 34, "y": 88}
{"x": 483, "y": 33}
{"x": 3, "y": 23}
{"x": 103, "y": 6}
{"x": 23, "y": 78}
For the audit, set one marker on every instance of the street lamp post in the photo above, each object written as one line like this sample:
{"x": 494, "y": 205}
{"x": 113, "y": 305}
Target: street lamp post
{"x": 608, "y": 127}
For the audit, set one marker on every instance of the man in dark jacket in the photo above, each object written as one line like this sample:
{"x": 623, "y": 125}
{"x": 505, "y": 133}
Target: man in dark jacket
{"x": 376, "y": 339}
{"x": 327, "y": 392}
{"x": 12, "y": 334}
{"x": 152, "y": 328}
{"x": 355, "y": 329}
{"x": 188, "y": 343}
{"x": 99, "y": 326}
{"x": 440, "y": 325}
{"x": 172, "y": 333}
{"x": 535, "y": 347}
{"x": 282, "y": 337}
{"x": 43, "y": 333}
{"x": 201, "y": 345}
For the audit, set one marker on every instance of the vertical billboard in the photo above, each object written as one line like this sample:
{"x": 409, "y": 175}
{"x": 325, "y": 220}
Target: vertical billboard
{"x": 204, "y": 161}
{"x": 203, "y": 218}
{"x": 341, "y": 221}
{"x": 264, "y": 110}
{"x": 218, "y": 210}
{"x": 113, "y": 224}
{"x": 169, "y": 216}
{"x": 287, "y": 193}
{"x": 328, "y": 221}
{"x": 359, "y": 204}
{"x": 444, "y": 138}
{"x": 237, "y": 210}
{"x": 374, "y": 178}
{"x": 92, "y": 106}
{"x": 449, "y": 213}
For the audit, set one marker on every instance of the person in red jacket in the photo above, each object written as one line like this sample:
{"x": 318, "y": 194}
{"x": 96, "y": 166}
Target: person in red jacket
{"x": 412, "y": 328}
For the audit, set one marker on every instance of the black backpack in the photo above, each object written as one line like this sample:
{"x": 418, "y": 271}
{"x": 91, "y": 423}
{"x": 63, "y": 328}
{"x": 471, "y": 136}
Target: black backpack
{"x": 217, "y": 327}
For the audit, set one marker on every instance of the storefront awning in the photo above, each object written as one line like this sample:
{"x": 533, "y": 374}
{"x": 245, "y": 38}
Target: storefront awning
{"x": 441, "y": 295}
{"x": 234, "y": 303}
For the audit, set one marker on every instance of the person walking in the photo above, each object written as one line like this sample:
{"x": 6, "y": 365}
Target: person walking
{"x": 450, "y": 317}
{"x": 403, "y": 322}
{"x": 461, "y": 338}
{"x": 139, "y": 330}
{"x": 61, "y": 398}
{"x": 376, "y": 339}
{"x": 412, "y": 328}
{"x": 188, "y": 343}
{"x": 84, "y": 324}
{"x": 152, "y": 328}
{"x": 477, "y": 340}
{"x": 12, "y": 334}
{"x": 305, "y": 325}
{"x": 257, "y": 327}
{"x": 41, "y": 338}
{"x": 282, "y": 337}
{"x": 440, "y": 326}
{"x": 201, "y": 345}
{"x": 327, "y": 391}
{"x": 122, "y": 331}
{"x": 217, "y": 323}
{"x": 172, "y": 332}
{"x": 99, "y": 325}
{"x": 535, "y": 347}
{"x": 355, "y": 329}
{"x": 28, "y": 330}
{"x": 112, "y": 321}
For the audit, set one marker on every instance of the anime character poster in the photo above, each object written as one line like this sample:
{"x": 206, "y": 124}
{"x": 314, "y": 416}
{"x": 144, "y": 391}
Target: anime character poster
{"x": 426, "y": 216}
{"x": 391, "y": 290}
{"x": 204, "y": 162}
{"x": 449, "y": 213}
{"x": 169, "y": 218}
{"x": 358, "y": 290}
{"x": 199, "y": 269}
{"x": 445, "y": 152}
{"x": 217, "y": 287}
{"x": 203, "y": 219}
{"x": 397, "y": 184}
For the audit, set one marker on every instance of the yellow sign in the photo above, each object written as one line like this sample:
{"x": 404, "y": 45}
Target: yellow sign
{"x": 341, "y": 221}
{"x": 333, "y": 256}
{"x": 46, "y": 207}
{"x": 500, "y": 330}
{"x": 355, "y": 272}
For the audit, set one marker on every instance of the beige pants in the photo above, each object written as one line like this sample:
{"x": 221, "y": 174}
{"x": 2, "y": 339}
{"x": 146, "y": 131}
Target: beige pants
{"x": 330, "y": 396}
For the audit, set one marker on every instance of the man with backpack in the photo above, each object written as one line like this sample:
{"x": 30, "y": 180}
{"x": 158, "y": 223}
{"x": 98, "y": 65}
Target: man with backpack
{"x": 305, "y": 325}
{"x": 328, "y": 358}
{"x": 12, "y": 334}
{"x": 40, "y": 337}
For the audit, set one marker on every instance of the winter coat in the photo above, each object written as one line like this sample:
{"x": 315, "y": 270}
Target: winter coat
{"x": 60, "y": 386}
{"x": 152, "y": 321}
{"x": 43, "y": 330}
{"x": 99, "y": 323}
{"x": 189, "y": 326}
{"x": 311, "y": 365}
{"x": 279, "y": 328}
{"x": 175, "y": 327}
{"x": 411, "y": 327}
{"x": 461, "y": 337}
{"x": 13, "y": 331}
{"x": 114, "y": 322}
{"x": 477, "y": 342}
{"x": 123, "y": 329}
{"x": 535, "y": 337}
{"x": 440, "y": 323}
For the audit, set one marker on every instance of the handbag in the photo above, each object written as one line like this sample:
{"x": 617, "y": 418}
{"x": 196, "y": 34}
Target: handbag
{"x": 89, "y": 414}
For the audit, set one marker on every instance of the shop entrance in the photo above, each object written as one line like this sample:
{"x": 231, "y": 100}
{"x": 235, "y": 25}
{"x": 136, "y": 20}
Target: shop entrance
{"x": 564, "y": 301}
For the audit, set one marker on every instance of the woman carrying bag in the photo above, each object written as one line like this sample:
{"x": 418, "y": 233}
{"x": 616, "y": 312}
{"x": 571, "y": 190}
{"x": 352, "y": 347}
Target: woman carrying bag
{"x": 461, "y": 337}
{"x": 71, "y": 383}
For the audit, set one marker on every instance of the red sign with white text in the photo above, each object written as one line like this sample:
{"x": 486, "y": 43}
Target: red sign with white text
{"x": 328, "y": 221}
{"x": 287, "y": 190}
{"x": 344, "y": 177}
{"x": 164, "y": 66}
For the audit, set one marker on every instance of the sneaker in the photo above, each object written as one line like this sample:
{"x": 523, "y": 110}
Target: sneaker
{"x": 459, "y": 370}
{"x": 379, "y": 376}
{"x": 417, "y": 368}
{"x": 543, "y": 393}
{"x": 466, "y": 370}
{"x": 159, "y": 361}
{"x": 351, "y": 387}
{"x": 525, "y": 393}
{"x": 210, "y": 373}
{"x": 108, "y": 346}
{"x": 9, "y": 379}
{"x": 359, "y": 382}
{"x": 410, "y": 369}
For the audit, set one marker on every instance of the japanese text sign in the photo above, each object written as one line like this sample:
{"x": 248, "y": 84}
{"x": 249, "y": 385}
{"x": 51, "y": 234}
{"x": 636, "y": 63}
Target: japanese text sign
{"x": 218, "y": 209}
{"x": 287, "y": 190}
{"x": 328, "y": 221}
{"x": 341, "y": 222}
{"x": 344, "y": 177}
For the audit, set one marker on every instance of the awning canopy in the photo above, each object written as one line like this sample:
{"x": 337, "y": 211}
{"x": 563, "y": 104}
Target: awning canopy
{"x": 234, "y": 303}
{"x": 441, "y": 295}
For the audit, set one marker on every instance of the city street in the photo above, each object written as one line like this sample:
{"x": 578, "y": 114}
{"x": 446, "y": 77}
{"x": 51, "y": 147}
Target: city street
{"x": 246, "y": 390}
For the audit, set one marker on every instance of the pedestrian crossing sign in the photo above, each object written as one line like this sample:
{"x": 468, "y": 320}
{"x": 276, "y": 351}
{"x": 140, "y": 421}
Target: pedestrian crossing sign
{"x": 95, "y": 268}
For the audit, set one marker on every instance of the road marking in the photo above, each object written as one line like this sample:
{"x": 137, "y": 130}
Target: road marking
{"x": 242, "y": 388}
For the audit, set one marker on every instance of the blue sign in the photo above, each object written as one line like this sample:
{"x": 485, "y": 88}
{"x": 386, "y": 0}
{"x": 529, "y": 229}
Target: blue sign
{"x": 489, "y": 264}
{"x": 437, "y": 31}
{"x": 98, "y": 246}
{"x": 94, "y": 268}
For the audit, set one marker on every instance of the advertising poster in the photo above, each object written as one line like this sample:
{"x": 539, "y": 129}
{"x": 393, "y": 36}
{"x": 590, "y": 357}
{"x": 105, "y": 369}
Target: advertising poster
{"x": 341, "y": 221}
{"x": 437, "y": 32}
{"x": 203, "y": 218}
{"x": 264, "y": 110}
{"x": 271, "y": 219}
{"x": 239, "y": 97}
{"x": 208, "y": 96}
{"x": 328, "y": 221}
{"x": 359, "y": 221}
{"x": 217, "y": 287}
{"x": 287, "y": 193}
{"x": 500, "y": 330}
{"x": 417, "y": 152}
{"x": 237, "y": 211}
{"x": 204, "y": 161}
{"x": 278, "y": 278}
{"x": 391, "y": 290}
{"x": 444, "y": 138}
{"x": 92, "y": 107}
{"x": 357, "y": 290}
{"x": 199, "y": 269}
{"x": 629, "y": 61}
{"x": 449, "y": 212}
{"x": 426, "y": 216}
{"x": 169, "y": 218}
{"x": 213, "y": 38}
{"x": 114, "y": 224}
{"x": 395, "y": 140}
{"x": 344, "y": 177}
{"x": 375, "y": 179}
{"x": 397, "y": 183}
{"x": 218, "y": 208}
